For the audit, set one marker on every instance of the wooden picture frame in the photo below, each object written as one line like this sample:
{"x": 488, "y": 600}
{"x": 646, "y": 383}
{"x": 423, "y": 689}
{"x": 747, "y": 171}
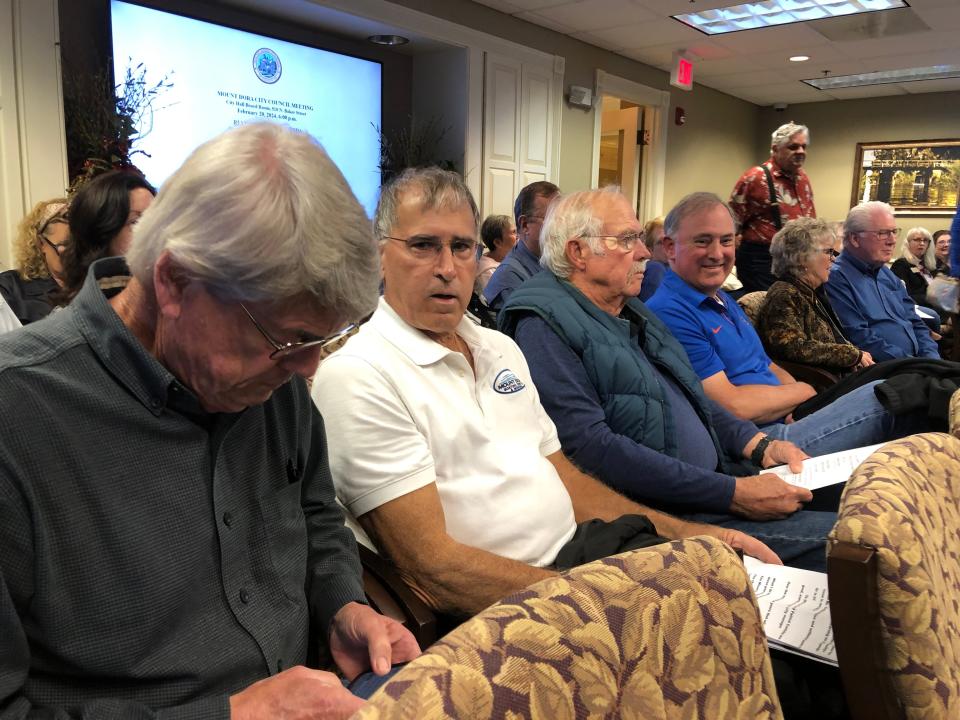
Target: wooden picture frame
{"x": 917, "y": 177}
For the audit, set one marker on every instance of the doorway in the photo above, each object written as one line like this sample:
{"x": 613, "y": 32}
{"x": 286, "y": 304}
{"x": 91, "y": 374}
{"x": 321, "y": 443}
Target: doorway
{"x": 629, "y": 146}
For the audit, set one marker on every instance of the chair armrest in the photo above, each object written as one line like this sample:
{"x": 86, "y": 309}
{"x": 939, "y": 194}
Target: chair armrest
{"x": 389, "y": 595}
{"x": 818, "y": 377}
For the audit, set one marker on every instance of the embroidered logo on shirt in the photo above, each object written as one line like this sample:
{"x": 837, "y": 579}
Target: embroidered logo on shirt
{"x": 716, "y": 329}
{"x": 506, "y": 382}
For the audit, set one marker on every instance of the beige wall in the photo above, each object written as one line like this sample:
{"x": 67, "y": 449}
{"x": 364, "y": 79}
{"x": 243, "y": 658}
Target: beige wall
{"x": 836, "y": 127}
{"x": 708, "y": 153}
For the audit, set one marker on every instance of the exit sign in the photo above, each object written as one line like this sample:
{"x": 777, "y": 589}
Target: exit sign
{"x": 682, "y": 74}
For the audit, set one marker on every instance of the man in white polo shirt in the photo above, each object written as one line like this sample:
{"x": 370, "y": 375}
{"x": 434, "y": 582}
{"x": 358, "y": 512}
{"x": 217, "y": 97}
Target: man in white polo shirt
{"x": 438, "y": 443}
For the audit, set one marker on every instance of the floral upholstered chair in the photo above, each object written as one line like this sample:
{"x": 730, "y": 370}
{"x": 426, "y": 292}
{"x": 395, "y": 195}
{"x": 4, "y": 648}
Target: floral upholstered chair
{"x": 671, "y": 631}
{"x": 894, "y": 571}
{"x": 953, "y": 416}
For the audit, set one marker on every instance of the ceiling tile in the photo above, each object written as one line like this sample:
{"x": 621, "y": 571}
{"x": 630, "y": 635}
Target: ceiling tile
{"x": 786, "y": 37}
{"x": 746, "y": 79}
{"x": 504, "y": 7}
{"x": 656, "y": 32}
{"x": 598, "y": 14}
{"x": 789, "y": 93}
{"x": 928, "y": 86}
{"x": 525, "y": 5}
{"x": 856, "y": 93}
{"x": 544, "y": 22}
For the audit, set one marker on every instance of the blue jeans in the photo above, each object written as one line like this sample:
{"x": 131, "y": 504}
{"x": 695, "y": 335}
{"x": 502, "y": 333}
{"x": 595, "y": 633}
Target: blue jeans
{"x": 364, "y": 685}
{"x": 799, "y": 540}
{"x": 851, "y": 421}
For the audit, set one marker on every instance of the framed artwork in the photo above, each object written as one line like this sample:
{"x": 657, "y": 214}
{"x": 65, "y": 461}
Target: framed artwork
{"x": 917, "y": 177}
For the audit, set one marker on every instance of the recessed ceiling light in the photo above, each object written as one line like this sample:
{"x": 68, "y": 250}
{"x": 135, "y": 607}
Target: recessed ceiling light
{"x": 388, "y": 39}
{"x": 799, "y": 58}
{"x": 750, "y": 16}
{"x": 884, "y": 77}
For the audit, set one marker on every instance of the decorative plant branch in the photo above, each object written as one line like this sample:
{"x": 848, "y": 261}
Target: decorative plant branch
{"x": 104, "y": 121}
{"x": 416, "y": 146}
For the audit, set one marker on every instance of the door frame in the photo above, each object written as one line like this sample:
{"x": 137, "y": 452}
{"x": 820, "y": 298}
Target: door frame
{"x": 653, "y": 164}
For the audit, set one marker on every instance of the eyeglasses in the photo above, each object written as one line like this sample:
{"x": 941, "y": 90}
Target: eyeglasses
{"x": 793, "y": 147}
{"x": 428, "y": 249}
{"x": 625, "y": 242}
{"x": 282, "y": 350}
{"x": 882, "y": 234}
{"x": 58, "y": 248}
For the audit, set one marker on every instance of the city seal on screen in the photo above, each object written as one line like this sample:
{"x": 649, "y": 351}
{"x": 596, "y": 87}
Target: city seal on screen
{"x": 267, "y": 66}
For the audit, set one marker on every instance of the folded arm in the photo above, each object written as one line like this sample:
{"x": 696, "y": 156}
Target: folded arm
{"x": 448, "y": 575}
{"x": 759, "y": 403}
{"x": 592, "y": 499}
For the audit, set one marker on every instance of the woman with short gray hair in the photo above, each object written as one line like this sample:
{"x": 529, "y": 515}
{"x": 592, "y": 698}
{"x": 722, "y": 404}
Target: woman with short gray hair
{"x": 796, "y": 322}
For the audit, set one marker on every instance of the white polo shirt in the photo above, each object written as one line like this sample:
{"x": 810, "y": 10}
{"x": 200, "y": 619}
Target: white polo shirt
{"x": 401, "y": 411}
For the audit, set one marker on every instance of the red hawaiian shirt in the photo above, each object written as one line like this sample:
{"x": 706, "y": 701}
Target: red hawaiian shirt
{"x": 750, "y": 201}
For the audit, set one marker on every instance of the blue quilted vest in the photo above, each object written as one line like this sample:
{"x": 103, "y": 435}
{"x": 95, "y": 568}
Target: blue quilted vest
{"x": 633, "y": 400}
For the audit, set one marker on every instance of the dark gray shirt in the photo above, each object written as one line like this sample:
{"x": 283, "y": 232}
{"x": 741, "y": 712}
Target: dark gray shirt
{"x": 153, "y": 558}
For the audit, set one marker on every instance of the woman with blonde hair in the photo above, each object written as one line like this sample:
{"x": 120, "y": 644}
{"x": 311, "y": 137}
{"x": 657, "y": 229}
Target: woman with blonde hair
{"x": 41, "y": 239}
{"x": 916, "y": 263}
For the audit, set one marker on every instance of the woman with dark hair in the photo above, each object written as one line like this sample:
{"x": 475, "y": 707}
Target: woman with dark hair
{"x": 102, "y": 216}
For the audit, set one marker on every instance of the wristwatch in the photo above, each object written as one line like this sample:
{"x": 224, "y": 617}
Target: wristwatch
{"x": 756, "y": 457}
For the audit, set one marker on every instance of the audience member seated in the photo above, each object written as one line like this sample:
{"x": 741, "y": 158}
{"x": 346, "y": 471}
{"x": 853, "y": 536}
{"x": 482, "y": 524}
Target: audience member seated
{"x": 657, "y": 263}
{"x": 726, "y": 351}
{"x": 796, "y": 322}
{"x": 523, "y": 261}
{"x": 29, "y": 290}
{"x": 102, "y": 215}
{"x": 627, "y": 405}
{"x": 916, "y": 264}
{"x": 876, "y": 312}
{"x": 171, "y": 543}
{"x": 437, "y": 439}
{"x": 499, "y": 235}
{"x": 941, "y": 251}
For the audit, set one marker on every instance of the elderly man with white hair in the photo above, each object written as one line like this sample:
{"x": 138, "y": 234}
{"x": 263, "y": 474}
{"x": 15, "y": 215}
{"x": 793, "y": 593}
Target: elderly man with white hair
{"x": 438, "y": 443}
{"x": 170, "y": 544}
{"x": 873, "y": 305}
{"x": 766, "y": 197}
{"x": 628, "y": 406}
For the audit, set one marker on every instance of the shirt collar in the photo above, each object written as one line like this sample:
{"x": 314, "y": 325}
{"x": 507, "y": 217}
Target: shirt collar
{"x": 414, "y": 343}
{"x": 859, "y": 264}
{"x": 689, "y": 294}
{"x": 115, "y": 346}
{"x": 529, "y": 261}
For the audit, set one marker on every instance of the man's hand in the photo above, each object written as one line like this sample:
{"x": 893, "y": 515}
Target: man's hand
{"x": 362, "y": 639}
{"x": 297, "y": 694}
{"x": 750, "y": 546}
{"x": 767, "y": 497}
{"x": 866, "y": 359}
{"x": 782, "y": 452}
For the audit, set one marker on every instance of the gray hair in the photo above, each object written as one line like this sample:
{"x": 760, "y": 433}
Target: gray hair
{"x": 437, "y": 189}
{"x": 929, "y": 258}
{"x": 781, "y": 136}
{"x": 796, "y": 243}
{"x": 691, "y": 205}
{"x": 261, "y": 213}
{"x": 858, "y": 219}
{"x": 571, "y": 216}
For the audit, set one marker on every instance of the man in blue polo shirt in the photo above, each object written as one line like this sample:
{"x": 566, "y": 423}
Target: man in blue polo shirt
{"x": 725, "y": 350}
{"x": 871, "y": 302}
{"x": 523, "y": 262}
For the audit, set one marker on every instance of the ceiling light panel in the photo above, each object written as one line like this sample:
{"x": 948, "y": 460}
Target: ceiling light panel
{"x": 936, "y": 72}
{"x": 751, "y": 16}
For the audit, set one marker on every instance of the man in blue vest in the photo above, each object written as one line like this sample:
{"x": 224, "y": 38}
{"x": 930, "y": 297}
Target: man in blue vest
{"x": 523, "y": 262}
{"x": 628, "y": 407}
